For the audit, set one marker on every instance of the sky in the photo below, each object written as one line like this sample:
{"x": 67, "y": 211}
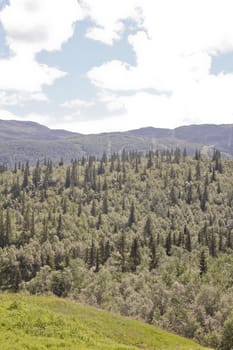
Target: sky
{"x": 93, "y": 66}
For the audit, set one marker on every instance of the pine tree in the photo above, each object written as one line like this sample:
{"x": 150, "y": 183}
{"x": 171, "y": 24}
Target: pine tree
{"x": 229, "y": 239}
{"x": 99, "y": 221}
{"x": 97, "y": 264}
{"x": 105, "y": 203}
{"x": 150, "y": 161}
{"x": 189, "y": 195}
{"x": 213, "y": 245}
{"x": 36, "y": 175}
{"x": 93, "y": 208}
{"x": 204, "y": 198}
{"x": 189, "y": 179}
{"x": 26, "y": 177}
{"x": 122, "y": 251}
{"x": 68, "y": 178}
{"x": 153, "y": 262}
{"x": 148, "y": 228}
{"x": 168, "y": 244}
{"x": 32, "y": 224}
{"x": 132, "y": 218}
{"x": 198, "y": 171}
{"x": 173, "y": 196}
{"x": 74, "y": 174}
{"x": 44, "y": 235}
{"x": 219, "y": 190}
{"x": 135, "y": 256}
{"x": 79, "y": 209}
{"x": 188, "y": 241}
{"x": 197, "y": 155}
{"x": 203, "y": 263}
{"x": 59, "y": 228}
{"x": 92, "y": 255}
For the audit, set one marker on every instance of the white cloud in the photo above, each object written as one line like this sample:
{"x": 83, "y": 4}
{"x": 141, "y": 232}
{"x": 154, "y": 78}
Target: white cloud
{"x": 109, "y": 17}
{"x": 11, "y": 99}
{"x": 77, "y": 103}
{"x": 174, "y": 47}
{"x": 107, "y": 37}
{"x": 22, "y": 73}
{"x": 40, "y": 24}
{"x": 30, "y": 27}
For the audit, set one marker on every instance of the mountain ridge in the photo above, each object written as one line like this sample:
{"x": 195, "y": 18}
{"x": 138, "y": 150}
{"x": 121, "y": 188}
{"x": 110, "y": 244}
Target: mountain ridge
{"x": 25, "y": 140}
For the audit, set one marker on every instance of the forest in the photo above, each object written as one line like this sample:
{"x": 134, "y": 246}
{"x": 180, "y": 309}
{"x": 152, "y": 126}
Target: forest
{"x": 148, "y": 236}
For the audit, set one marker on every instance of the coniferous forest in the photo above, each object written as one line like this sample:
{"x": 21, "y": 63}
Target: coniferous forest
{"x": 147, "y": 236}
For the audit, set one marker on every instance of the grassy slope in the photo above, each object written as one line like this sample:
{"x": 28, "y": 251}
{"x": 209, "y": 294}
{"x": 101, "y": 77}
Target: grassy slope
{"x": 39, "y": 323}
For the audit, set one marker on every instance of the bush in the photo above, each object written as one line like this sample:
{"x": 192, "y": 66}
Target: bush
{"x": 227, "y": 335}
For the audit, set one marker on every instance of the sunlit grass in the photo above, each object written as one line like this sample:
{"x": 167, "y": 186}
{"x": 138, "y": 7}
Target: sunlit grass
{"x": 39, "y": 323}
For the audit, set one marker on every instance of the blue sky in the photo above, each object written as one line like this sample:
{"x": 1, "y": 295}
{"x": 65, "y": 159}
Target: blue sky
{"x": 92, "y": 66}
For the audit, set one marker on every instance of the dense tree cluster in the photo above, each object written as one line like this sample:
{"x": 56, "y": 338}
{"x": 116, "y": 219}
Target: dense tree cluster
{"x": 149, "y": 236}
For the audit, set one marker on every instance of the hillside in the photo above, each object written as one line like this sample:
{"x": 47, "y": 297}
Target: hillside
{"x": 22, "y": 141}
{"x": 35, "y": 323}
{"x": 149, "y": 237}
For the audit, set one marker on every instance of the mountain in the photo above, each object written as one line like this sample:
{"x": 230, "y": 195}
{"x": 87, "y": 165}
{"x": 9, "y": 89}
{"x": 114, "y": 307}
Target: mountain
{"x": 16, "y": 130}
{"x": 22, "y": 141}
{"x": 50, "y": 323}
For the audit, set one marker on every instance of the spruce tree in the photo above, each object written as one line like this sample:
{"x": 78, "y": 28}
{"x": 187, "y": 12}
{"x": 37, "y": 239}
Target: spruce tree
{"x": 203, "y": 263}
{"x": 132, "y": 218}
{"x": 168, "y": 244}
{"x": 135, "y": 256}
{"x": 153, "y": 262}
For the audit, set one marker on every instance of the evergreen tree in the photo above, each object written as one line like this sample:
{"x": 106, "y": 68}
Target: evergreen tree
{"x": 203, "y": 263}
{"x": 122, "y": 251}
{"x": 153, "y": 262}
{"x": 148, "y": 228}
{"x": 92, "y": 255}
{"x": 188, "y": 241}
{"x": 213, "y": 245}
{"x": 132, "y": 217}
{"x": 168, "y": 244}
{"x": 97, "y": 264}
{"x": 68, "y": 178}
{"x": 135, "y": 256}
{"x": 105, "y": 203}
{"x": 59, "y": 228}
{"x": 93, "y": 208}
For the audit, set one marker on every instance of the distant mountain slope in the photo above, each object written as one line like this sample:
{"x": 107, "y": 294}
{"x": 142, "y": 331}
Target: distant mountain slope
{"x": 17, "y": 130}
{"x": 50, "y": 323}
{"x": 21, "y": 141}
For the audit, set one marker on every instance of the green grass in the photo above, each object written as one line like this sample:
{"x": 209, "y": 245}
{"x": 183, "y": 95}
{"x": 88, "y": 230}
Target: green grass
{"x": 41, "y": 323}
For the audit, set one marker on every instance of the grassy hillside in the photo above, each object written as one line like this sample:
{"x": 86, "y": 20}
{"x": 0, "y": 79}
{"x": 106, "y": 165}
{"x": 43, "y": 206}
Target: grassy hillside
{"x": 39, "y": 323}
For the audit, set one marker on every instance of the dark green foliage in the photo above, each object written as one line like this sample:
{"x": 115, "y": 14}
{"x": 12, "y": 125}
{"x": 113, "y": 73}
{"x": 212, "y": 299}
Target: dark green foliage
{"x": 188, "y": 240}
{"x": 148, "y": 229}
{"x": 131, "y": 233}
{"x": 168, "y": 244}
{"x": 153, "y": 262}
{"x": 122, "y": 251}
{"x": 203, "y": 263}
{"x": 135, "y": 256}
{"x": 227, "y": 337}
{"x": 132, "y": 217}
